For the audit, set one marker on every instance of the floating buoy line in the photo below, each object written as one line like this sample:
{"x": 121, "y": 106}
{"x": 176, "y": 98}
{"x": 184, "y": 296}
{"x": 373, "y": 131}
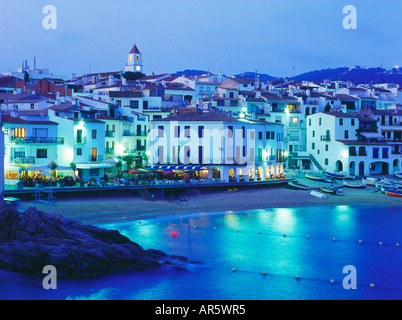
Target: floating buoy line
{"x": 284, "y": 235}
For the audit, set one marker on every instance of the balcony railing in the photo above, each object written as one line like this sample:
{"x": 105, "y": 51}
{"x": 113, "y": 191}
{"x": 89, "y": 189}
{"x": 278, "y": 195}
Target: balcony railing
{"x": 325, "y": 138}
{"x": 37, "y": 140}
{"x": 141, "y": 134}
{"x": 24, "y": 160}
{"x": 109, "y": 133}
{"x": 109, "y": 151}
{"x": 128, "y": 133}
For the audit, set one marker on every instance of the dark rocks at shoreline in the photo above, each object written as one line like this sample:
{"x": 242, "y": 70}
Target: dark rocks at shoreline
{"x": 33, "y": 239}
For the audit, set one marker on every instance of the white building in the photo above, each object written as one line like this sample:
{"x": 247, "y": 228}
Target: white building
{"x": 350, "y": 143}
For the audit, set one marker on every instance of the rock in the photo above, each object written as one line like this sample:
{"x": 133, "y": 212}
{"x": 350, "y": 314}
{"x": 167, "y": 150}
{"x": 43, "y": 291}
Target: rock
{"x": 31, "y": 240}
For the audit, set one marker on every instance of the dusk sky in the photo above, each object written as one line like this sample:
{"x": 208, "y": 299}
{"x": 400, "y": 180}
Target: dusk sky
{"x": 228, "y": 36}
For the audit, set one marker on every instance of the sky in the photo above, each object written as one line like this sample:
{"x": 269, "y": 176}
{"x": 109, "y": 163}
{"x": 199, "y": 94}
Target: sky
{"x": 227, "y": 36}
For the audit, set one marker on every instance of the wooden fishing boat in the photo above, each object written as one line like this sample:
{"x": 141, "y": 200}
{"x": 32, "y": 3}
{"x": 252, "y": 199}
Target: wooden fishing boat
{"x": 354, "y": 184}
{"x": 315, "y": 177}
{"x": 298, "y": 186}
{"x": 370, "y": 181}
{"x": 398, "y": 175}
{"x": 350, "y": 177}
{"x": 318, "y": 194}
{"x": 331, "y": 189}
{"x": 394, "y": 193}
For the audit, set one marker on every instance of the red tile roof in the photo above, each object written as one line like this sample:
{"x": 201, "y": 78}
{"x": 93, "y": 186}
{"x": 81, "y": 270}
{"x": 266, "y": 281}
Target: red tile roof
{"x": 9, "y": 119}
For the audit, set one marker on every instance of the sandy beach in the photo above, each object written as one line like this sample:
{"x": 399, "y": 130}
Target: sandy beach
{"x": 99, "y": 209}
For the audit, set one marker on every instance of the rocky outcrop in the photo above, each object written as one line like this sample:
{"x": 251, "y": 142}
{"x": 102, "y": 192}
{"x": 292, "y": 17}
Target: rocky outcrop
{"x": 31, "y": 240}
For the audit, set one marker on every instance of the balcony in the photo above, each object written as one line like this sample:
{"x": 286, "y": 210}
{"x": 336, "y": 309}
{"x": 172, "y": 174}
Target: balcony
{"x": 128, "y": 133}
{"x": 109, "y": 134}
{"x": 24, "y": 160}
{"x": 141, "y": 134}
{"x": 109, "y": 151}
{"x": 82, "y": 140}
{"x": 98, "y": 158}
{"x": 326, "y": 138}
{"x": 37, "y": 140}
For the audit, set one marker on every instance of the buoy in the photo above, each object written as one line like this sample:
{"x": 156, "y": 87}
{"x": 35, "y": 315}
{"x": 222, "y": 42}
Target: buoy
{"x": 215, "y": 228}
{"x": 157, "y": 223}
{"x": 360, "y": 241}
{"x": 284, "y": 234}
{"x": 372, "y": 285}
{"x": 259, "y": 232}
{"x": 194, "y": 227}
{"x": 308, "y": 237}
{"x": 139, "y": 221}
{"x": 297, "y": 277}
{"x": 233, "y": 269}
{"x": 397, "y": 244}
{"x": 124, "y": 217}
{"x": 333, "y": 239}
{"x": 332, "y": 281}
{"x": 174, "y": 234}
{"x": 264, "y": 273}
{"x": 237, "y": 230}
{"x": 380, "y": 243}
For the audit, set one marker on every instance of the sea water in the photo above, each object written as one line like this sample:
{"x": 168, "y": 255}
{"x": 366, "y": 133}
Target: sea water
{"x": 300, "y": 250}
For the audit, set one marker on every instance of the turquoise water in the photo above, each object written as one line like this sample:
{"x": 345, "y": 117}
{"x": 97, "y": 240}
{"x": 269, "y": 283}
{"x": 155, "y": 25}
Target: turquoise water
{"x": 282, "y": 242}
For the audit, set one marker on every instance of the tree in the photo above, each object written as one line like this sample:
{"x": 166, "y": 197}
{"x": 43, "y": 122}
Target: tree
{"x": 133, "y": 75}
{"x": 327, "y": 108}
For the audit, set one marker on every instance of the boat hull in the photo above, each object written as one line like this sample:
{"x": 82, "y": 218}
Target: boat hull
{"x": 335, "y": 175}
{"x": 355, "y": 185}
{"x": 393, "y": 194}
{"x": 298, "y": 186}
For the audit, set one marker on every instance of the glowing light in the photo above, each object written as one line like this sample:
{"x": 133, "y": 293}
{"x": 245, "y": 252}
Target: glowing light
{"x": 345, "y": 153}
{"x": 244, "y": 109}
{"x": 81, "y": 123}
{"x": 286, "y": 154}
{"x": 241, "y": 115}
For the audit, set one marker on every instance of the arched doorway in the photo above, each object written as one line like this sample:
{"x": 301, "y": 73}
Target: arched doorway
{"x": 232, "y": 175}
{"x": 395, "y": 166}
{"x": 251, "y": 174}
{"x": 241, "y": 178}
{"x": 260, "y": 173}
{"x": 267, "y": 174}
{"x": 379, "y": 167}
{"x": 307, "y": 111}
{"x": 338, "y": 166}
{"x": 216, "y": 173}
{"x": 352, "y": 168}
{"x": 314, "y": 110}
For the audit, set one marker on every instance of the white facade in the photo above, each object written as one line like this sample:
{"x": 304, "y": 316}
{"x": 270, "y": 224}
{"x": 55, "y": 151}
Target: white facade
{"x": 237, "y": 149}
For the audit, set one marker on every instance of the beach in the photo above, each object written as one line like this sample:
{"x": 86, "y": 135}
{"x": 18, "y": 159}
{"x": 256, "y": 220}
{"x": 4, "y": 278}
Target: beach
{"x": 101, "y": 208}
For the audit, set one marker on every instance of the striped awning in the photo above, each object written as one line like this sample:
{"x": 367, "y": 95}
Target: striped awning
{"x": 175, "y": 167}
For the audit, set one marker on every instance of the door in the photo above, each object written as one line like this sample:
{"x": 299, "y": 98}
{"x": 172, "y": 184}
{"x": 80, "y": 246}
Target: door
{"x": 94, "y": 155}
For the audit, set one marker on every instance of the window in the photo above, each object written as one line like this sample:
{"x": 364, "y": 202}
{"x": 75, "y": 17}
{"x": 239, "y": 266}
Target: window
{"x": 272, "y": 135}
{"x": 137, "y": 58}
{"x": 41, "y": 153}
{"x": 319, "y": 121}
{"x": 243, "y": 131}
{"x": 160, "y": 131}
{"x": 230, "y": 131}
{"x": 326, "y": 147}
{"x": 313, "y": 133}
{"x": 267, "y": 135}
{"x": 352, "y": 122}
{"x": 19, "y": 153}
{"x": 176, "y": 131}
{"x": 187, "y": 131}
{"x": 94, "y": 134}
{"x": 79, "y": 136}
{"x": 32, "y": 106}
{"x": 93, "y": 172}
{"x": 221, "y": 103}
{"x": 118, "y": 102}
{"x": 385, "y": 153}
{"x": 309, "y": 122}
{"x": 260, "y": 135}
{"x": 231, "y": 94}
{"x": 326, "y": 161}
{"x": 376, "y": 153}
{"x": 200, "y": 154}
{"x": 313, "y": 146}
{"x": 341, "y": 122}
{"x": 18, "y": 133}
{"x": 134, "y": 104}
{"x": 346, "y": 134}
{"x": 79, "y": 151}
{"x": 200, "y": 131}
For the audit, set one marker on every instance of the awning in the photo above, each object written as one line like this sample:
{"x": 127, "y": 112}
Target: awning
{"x": 114, "y": 161}
{"x": 174, "y": 167}
{"x": 372, "y": 135}
{"x": 88, "y": 166}
{"x": 10, "y": 168}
